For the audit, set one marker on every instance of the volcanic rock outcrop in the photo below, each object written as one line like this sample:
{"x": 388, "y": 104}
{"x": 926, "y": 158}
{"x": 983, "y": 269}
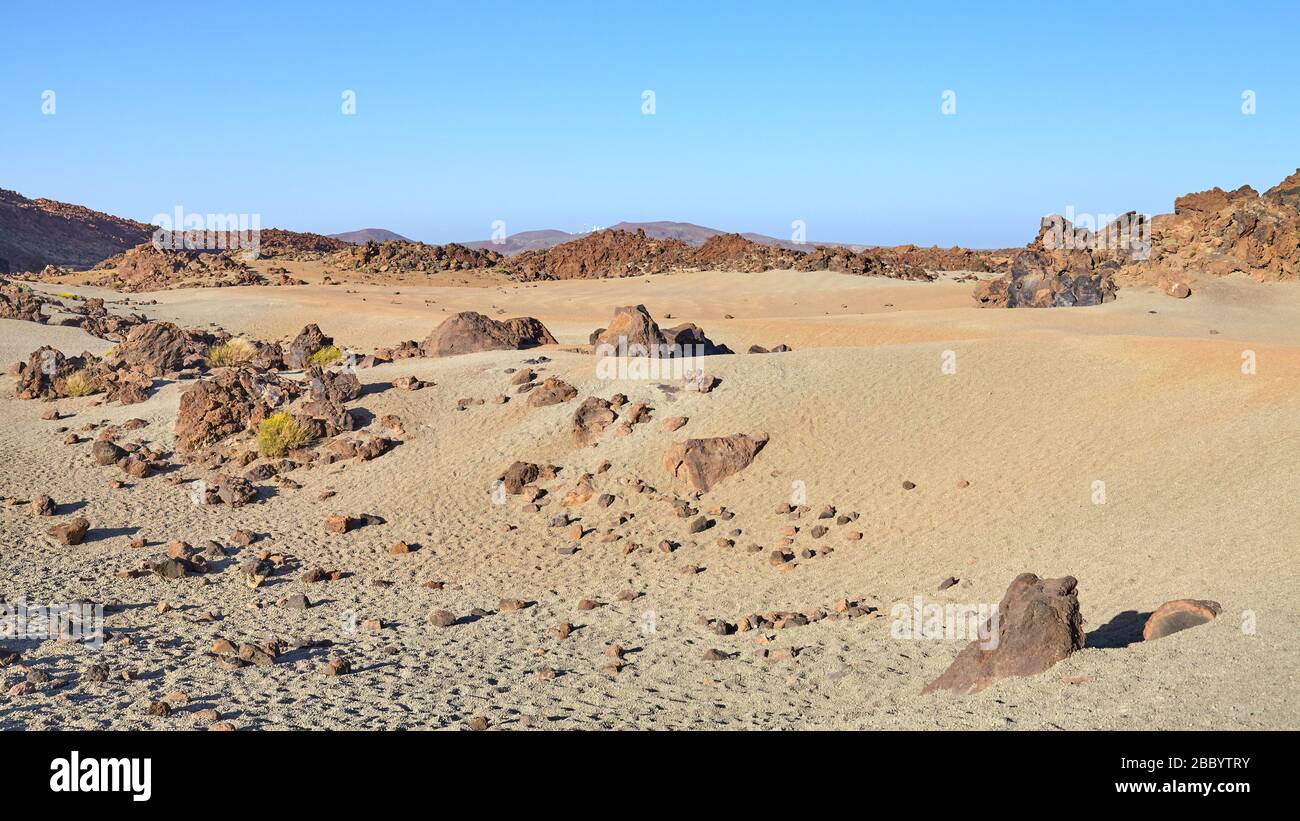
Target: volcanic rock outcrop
{"x": 401, "y": 256}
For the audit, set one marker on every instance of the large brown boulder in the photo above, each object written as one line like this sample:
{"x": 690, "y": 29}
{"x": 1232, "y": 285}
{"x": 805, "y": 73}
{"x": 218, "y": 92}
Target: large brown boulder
{"x": 632, "y": 329}
{"x": 1038, "y": 624}
{"x": 705, "y": 462}
{"x": 45, "y": 373}
{"x": 525, "y": 473}
{"x": 470, "y": 332}
{"x": 1179, "y": 614}
{"x": 154, "y": 349}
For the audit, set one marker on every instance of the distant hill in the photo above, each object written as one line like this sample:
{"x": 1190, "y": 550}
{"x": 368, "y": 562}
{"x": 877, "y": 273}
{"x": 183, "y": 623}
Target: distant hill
{"x": 686, "y": 232}
{"x": 40, "y": 232}
{"x": 367, "y": 234}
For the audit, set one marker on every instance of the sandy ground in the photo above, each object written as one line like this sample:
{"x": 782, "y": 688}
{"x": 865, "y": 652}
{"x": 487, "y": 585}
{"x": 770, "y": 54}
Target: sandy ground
{"x": 1198, "y": 461}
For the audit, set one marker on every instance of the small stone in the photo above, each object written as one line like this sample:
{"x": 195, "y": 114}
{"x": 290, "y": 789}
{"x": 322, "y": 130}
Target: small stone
{"x": 442, "y": 618}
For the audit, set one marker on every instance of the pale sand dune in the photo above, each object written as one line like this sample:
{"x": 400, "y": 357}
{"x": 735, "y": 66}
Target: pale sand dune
{"x": 1198, "y": 462}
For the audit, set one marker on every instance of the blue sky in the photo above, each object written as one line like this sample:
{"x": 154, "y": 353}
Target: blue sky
{"x": 765, "y": 113}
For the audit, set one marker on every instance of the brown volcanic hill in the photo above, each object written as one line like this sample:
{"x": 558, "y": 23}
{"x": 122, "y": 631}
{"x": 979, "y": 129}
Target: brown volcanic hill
{"x": 277, "y": 242}
{"x": 614, "y": 253}
{"x": 396, "y": 256}
{"x": 148, "y": 268}
{"x": 525, "y": 241}
{"x": 368, "y": 234}
{"x": 607, "y": 253}
{"x": 40, "y": 232}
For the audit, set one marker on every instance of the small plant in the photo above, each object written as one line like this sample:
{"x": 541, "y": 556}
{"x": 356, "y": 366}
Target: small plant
{"x": 326, "y": 356}
{"x": 231, "y": 352}
{"x": 279, "y": 433}
{"x": 80, "y": 383}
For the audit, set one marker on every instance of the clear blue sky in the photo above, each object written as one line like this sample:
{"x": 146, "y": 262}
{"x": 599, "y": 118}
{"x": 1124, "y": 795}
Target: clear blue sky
{"x": 765, "y": 112}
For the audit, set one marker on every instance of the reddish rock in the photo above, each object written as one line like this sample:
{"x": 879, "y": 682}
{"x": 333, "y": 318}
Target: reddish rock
{"x": 72, "y": 532}
{"x": 1180, "y": 614}
{"x": 705, "y": 462}
{"x": 551, "y": 392}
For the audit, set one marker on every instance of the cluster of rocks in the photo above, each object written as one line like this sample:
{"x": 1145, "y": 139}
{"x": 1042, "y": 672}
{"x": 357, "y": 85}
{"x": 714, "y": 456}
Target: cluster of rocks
{"x": 148, "y": 350}
{"x": 149, "y": 268}
{"x": 1219, "y": 232}
{"x": 617, "y": 253}
{"x": 401, "y": 256}
{"x": 1213, "y": 233}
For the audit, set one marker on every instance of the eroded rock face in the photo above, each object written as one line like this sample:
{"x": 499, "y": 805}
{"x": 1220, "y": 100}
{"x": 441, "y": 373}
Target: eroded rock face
{"x": 396, "y": 256}
{"x": 705, "y": 462}
{"x": 470, "y": 332}
{"x": 590, "y": 420}
{"x": 1038, "y": 625}
{"x": 1180, "y": 614}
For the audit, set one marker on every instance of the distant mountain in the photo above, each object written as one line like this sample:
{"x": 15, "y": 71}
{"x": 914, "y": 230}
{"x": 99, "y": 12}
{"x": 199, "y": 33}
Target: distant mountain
{"x": 367, "y": 234}
{"x": 687, "y": 232}
{"x": 40, "y": 232}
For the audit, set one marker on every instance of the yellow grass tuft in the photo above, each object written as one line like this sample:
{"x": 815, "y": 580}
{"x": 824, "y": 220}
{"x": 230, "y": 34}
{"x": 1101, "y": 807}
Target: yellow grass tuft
{"x": 80, "y": 383}
{"x": 326, "y": 356}
{"x": 231, "y": 352}
{"x": 279, "y": 433}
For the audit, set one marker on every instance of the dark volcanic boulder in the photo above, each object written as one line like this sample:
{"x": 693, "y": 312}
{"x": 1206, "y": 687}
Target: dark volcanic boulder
{"x": 308, "y": 341}
{"x": 335, "y": 387}
{"x": 525, "y": 473}
{"x": 1038, "y": 624}
{"x": 705, "y": 462}
{"x": 1041, "y": 280}
{"x": 470, "y": 332}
